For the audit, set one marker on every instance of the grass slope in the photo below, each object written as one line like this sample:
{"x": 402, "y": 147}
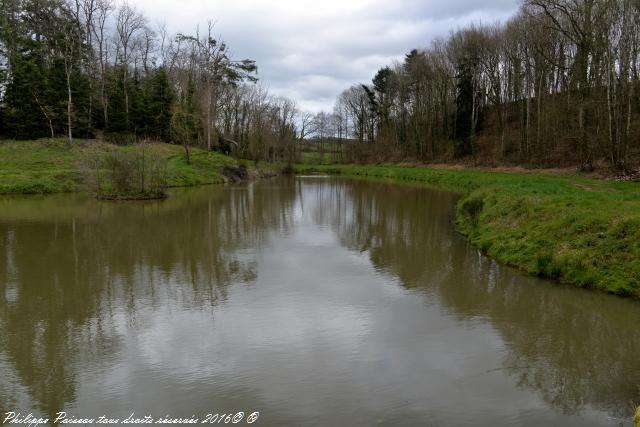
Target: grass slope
{"x": 55, "y": 166}
{"x": 579, "y": 230}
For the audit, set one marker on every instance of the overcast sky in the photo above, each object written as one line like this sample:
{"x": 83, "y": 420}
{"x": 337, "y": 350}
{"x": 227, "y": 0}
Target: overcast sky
{"x": 311, "y": 51}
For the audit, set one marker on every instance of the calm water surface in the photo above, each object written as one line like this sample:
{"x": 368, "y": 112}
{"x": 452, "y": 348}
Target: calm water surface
{"x": 315, "y": 301}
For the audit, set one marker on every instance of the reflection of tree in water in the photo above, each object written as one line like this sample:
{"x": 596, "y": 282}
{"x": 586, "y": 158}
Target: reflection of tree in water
{"x": 405, "y": 229}
{"x": 574, "y": 347}
{"x": 62, "y": 281}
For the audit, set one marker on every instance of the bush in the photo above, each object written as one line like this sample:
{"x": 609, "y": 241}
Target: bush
{"x": 471, "y": 207}
{"x": 134, "y": 174}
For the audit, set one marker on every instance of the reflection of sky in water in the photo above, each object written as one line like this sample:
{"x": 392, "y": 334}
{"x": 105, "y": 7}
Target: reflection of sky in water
{"x": 317, "y": 330}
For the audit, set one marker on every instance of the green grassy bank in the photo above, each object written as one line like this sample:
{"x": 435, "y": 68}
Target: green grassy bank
{"x": 55, "y": 166}
{"x": 578, "y": 230}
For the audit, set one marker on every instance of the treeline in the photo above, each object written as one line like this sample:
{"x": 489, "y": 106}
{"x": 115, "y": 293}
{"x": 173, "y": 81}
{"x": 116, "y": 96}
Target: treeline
{"x": 556, "y": 85}
{"x": 94, "y": 69}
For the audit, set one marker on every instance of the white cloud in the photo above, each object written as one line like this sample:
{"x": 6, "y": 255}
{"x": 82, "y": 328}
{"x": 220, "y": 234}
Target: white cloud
{"x": 312, "y": 50}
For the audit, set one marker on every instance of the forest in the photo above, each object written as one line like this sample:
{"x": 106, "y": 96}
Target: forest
{"x": 555, "y": 86}
{"x": 92, "y": 69}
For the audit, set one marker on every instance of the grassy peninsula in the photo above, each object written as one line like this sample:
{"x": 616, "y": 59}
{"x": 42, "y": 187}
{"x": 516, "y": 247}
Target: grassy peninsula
{"x": 571, "y": 228}
{"x": 57, "y": 166}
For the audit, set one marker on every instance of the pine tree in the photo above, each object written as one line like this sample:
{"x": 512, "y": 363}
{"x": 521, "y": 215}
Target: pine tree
{"x": 159, "y": 98}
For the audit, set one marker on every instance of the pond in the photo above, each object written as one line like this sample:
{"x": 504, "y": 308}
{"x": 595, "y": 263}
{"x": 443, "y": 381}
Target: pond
{"x": 309, "y": 300}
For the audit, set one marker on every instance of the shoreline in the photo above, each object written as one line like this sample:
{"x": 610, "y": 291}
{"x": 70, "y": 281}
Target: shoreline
{"x": 570, "y": 228}
{"x": 566, "y": 227}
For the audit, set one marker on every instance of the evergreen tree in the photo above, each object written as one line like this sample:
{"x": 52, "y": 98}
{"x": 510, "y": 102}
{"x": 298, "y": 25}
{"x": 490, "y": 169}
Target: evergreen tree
{"x": 468, "y": 108}
{"x": 115, "y": 93}
{"x": 464, "y": 109}
{"x": 159, "y": 98}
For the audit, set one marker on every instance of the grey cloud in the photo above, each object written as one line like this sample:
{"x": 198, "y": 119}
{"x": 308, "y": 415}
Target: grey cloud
{"x": 310, "y": 50}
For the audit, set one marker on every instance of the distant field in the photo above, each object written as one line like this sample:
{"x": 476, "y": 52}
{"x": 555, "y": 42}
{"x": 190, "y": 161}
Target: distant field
{"x": 579, "y": 230}
{"x": 316, "y": 158}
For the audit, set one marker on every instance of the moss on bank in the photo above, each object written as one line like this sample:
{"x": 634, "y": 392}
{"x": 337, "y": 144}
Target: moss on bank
{"x": 56, "y": 166}
{"x": 578, "y": 230}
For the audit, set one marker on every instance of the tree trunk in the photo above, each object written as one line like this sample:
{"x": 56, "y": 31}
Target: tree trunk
{"x": 69, "y": 105}
{"x": 209, "y": 100}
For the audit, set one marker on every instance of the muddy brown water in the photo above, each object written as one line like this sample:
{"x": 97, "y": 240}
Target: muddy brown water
{"x": 310, "y": 300}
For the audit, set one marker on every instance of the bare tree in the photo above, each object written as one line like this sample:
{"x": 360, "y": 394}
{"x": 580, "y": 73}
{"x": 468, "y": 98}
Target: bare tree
{"x": 129, "y": 23}
{"x": 103, "y": 10}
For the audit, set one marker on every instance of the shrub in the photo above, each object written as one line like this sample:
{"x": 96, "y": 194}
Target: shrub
{"x": 134, "y": 174}
{"x": 471, "y": 207}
